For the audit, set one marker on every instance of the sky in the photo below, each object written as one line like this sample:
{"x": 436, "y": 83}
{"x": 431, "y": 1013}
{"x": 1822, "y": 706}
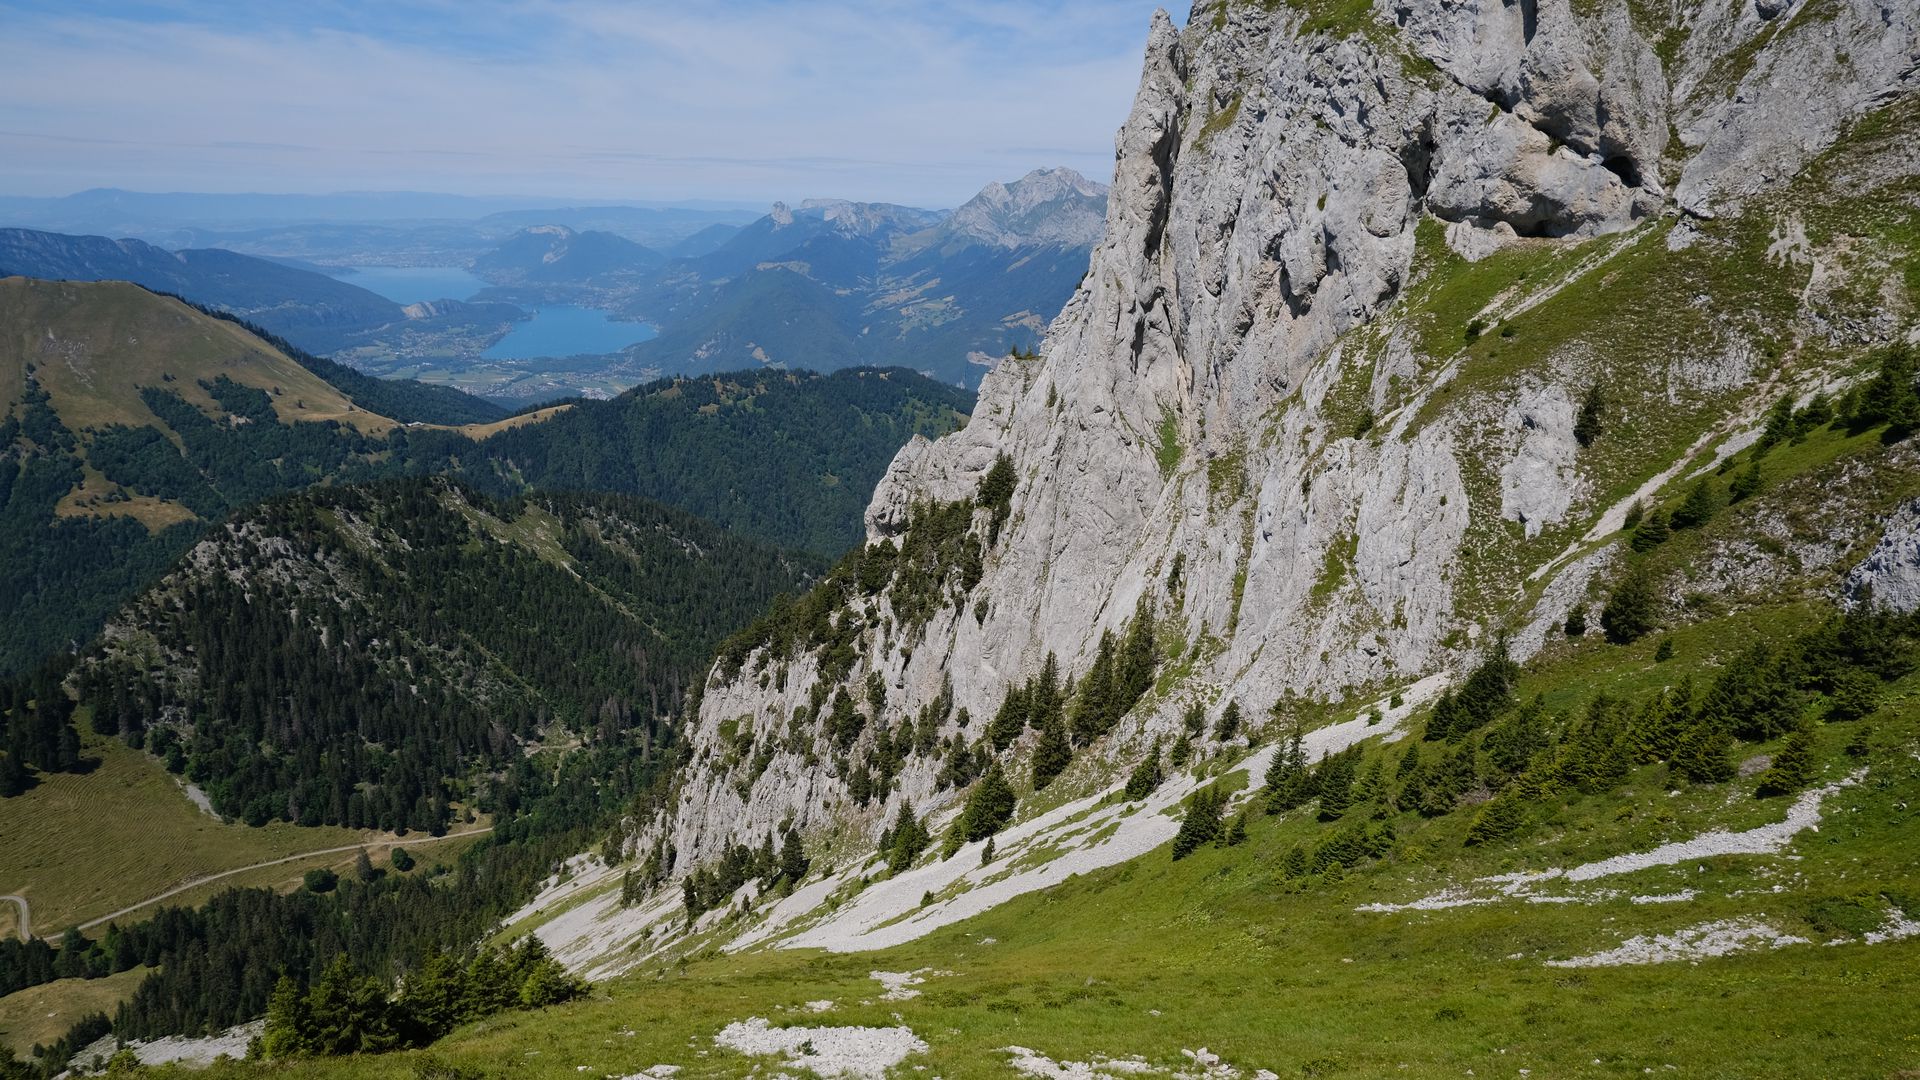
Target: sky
{"x": 735, "y": 100}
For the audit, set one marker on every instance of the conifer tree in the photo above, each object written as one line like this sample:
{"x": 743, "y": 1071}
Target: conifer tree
{"x": 1294, "y": 863}
{"x": 1652, "y": 531}
{"x": 988, "y": 808}
{"x": 1629, "y": 613}
{"x": 1747, "y": 484}
{"x": 1701, "y": 503}
{"x": 1586, "y": 426}
{"x": 1146, "y": 776}
{"x": 1091, "y": 708}
{"x": 1334, "y": 782}
{"x": 1011, "y": 720}
{"x": 1498, "y": 819}
{"x": 1236, "y": 831}
{"x": 1052, "y": 754}
{"x": 1576, "y": 624}
{"x": 1703, "y": 755}
{"x": 1890, "y": 397}
{"x": 1288, "y": 780}
{"x": 793, "y": 859}
{"x": 1779, "y": 427}
{"x": 1201, "y": 823}
{"x": 1181, "y": 753}
{"x": 1228, "y": 727}
{"x": 1792, "y": 768}
{"x": 906, "y": 840}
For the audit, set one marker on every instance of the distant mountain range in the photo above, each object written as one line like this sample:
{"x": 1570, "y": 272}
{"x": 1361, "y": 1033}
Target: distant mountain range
{"x": 825, "y": 285}
{"x": 320, "y": 313}
{"x": 832, "y": 283}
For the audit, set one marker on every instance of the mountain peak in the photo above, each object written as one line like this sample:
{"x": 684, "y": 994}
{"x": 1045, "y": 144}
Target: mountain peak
{"x": 1046, "y": 206}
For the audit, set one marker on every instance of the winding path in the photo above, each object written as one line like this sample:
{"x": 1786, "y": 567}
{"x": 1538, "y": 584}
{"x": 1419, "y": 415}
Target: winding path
{"x": 26, "y": 916}
{"x": 197, "y": 882}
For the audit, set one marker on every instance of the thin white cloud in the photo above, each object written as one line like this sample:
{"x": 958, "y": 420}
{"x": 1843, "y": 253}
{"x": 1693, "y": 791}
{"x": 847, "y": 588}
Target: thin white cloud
{"x": 871, "y": 98}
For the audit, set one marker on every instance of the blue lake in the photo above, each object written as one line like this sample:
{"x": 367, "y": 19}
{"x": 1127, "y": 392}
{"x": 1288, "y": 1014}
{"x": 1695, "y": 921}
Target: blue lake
{"x": 412, "y": 284}
{"x": 567, "y": 331}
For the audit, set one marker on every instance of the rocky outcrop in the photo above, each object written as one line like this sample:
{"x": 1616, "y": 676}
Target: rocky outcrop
{"x": 1249, "y": 382}
{"x": 1890, "y": 574}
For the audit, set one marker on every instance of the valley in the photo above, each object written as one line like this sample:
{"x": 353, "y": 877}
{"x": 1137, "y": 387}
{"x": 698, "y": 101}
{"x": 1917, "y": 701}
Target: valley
{"x": 1427, "y": 585}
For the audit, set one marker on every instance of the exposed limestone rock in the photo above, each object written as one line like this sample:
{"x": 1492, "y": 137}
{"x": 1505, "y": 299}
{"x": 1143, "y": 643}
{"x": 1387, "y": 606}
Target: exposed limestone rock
{"x": 1233, "y": 386}
{"x": 1537, "y": 486}
{"x": 1890, "y": 574}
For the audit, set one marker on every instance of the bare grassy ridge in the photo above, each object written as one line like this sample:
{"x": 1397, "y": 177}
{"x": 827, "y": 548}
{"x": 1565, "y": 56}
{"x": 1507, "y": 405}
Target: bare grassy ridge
{"x": 42, "y": 1014}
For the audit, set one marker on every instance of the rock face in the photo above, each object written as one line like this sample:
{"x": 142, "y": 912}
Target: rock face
{"x": 1269, "y": 377}
{"x": 1890, "y": 574}
{"x": 1046, "y": 206}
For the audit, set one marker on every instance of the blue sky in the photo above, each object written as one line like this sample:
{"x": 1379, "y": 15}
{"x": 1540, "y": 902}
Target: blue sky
{"x": 739, "y": 100}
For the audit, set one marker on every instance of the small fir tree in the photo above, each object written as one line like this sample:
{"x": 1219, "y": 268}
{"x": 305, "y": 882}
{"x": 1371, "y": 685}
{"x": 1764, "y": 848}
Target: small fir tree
{"x": 1792, "y": 768}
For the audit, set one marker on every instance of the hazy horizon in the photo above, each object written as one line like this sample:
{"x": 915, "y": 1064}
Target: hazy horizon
{"x": 571, "y": 101}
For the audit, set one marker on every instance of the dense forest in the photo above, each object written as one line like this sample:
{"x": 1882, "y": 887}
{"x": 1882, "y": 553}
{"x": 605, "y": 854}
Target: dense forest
{"x": 222, "y": 963}
{"x": 354, "y": 655}
{"x": 785, "y": 458}
{"x": 788, "y": 457}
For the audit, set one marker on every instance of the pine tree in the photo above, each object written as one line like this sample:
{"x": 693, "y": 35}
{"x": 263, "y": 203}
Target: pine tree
{"x": 988, "y": 808}
{"x": 286, "y": 1033}
{"x": 1288, "y": 780}
{"x": 1236, "y": 831}
{"x": 1747, "y": 484}
{"x": 1011, "y": 720}
{"x": 1181, "y": 753}
{"x": 1703, "y": 755}
{"x": 1091, "y": 708}
{"x": 1856, "y": 694}
{"x": 1498, "y": 819}
{"x": 1146, "y": 776}
{"x": 906, "y": 840}
{"x": 1334, "y": 782}
{"x": 1586, "y": 427}
{"x": 1201, "y": 823}
{"x": 1135, "y": 662}
{"x": 1792, "y": 768}
{"x": 1890, "y": 397}
{"x": 1701, "y": 503}
{"x": 1653, "y": 530}
{"x": 1052, "y": 754}
{"x": 1779, "y": 427}
{"x": 1228, "y": 727}
{"x": 793, "y": 859}
{"x": 1576, "y": 625}
{"x": 363, "y": 867}
{"x": 1629, "y": 613}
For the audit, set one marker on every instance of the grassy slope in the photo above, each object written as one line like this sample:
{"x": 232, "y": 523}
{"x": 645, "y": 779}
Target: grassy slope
{"x": 94, "y": 345}
{"x": 41, "y": 1014}
{"x": 80, "y": 846}
{"x": 1224, "y": 950}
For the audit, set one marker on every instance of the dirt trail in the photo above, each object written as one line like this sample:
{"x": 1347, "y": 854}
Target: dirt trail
{"x": 26, "y": 916}
{"x": 197, "y": 882}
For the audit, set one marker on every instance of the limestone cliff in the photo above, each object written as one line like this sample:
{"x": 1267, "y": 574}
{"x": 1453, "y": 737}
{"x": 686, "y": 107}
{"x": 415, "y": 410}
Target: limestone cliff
{"x": 1362, "y": 274}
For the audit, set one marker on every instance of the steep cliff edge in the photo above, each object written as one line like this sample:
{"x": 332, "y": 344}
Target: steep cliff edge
{"x": 1398, "y": 311}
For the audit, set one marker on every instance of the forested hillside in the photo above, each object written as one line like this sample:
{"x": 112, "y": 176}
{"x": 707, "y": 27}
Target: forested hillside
{"x": 368, "y": 656}
{"x": 787, "y": 457}
{"x": 133, "y": 420}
